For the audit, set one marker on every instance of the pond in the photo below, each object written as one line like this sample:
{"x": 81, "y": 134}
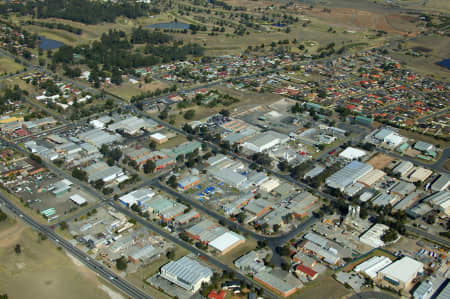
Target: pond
{"x": 49, "y": 44}
{"x": 169, "y": 25}
{"x": 445, "y": 63}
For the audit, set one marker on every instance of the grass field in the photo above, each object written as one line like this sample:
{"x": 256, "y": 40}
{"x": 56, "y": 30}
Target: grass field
{"x": 126, "y": 90}
{"x": 43, "y": 271}
{"x": 7, "y": 65}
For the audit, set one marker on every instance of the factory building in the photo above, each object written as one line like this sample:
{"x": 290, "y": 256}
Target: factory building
{"x": 348, "y": 175}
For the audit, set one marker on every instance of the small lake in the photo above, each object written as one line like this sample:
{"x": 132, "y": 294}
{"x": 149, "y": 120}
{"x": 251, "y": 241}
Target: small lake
{"x": 169, "y": 25}
{"x": 49, "y": 44}
{"x": 445, "y": 63}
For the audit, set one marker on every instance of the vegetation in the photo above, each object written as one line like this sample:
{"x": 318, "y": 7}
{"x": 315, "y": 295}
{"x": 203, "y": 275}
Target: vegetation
{"x": 121, "y": 264}
{"x": 83, "y": 11}
{"x": 3, "y": 216}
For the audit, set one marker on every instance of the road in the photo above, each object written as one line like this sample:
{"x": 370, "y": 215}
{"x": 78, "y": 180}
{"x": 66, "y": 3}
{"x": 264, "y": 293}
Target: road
{"x": 92, "y": 264}
{"x": 424, "y": 234}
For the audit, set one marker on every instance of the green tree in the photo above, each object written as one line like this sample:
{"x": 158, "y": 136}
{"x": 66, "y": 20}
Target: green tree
{"x": 189, "y": 114}
{"x": 121, "y": 264}
{"x": 149, "y": 166}
{"x": 172, "y": 181}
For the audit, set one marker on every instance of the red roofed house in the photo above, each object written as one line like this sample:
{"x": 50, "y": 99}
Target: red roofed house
{"x": 214, "y": 295}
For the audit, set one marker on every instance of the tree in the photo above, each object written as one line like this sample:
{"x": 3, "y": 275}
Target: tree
{"x": 3, "y": 216}
{"x": 240, "y": 217}
{"x": 36, "y": 158}
{"x": 121, "y": 264}
{"x": 63, "y": 225}
{"x": 431, "y": 219}
{"x": 17, "y": 249}
{"x": 172, "y": 181}
{"x": 189, "y": 114}
{"x": 170, "y": 254}
{"x": 79, "y": 174}
{"x": 276, "y": 228}
{"x": 389, "y": 236}
{"x": 149, "y": 166}
{"x": 284, "y": 251}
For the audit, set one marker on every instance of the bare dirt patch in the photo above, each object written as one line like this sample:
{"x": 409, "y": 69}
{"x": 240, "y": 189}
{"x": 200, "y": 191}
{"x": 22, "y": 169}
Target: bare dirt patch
{"x": 380, "y": 161}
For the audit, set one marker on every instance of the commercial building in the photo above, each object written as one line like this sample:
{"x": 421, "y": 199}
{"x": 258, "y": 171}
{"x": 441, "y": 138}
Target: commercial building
{"x": 401, "y": 273}
{"x": 276, "y": 284}
{"x": 372, "y": 266}
{"x": 328, "y": 255}
{"x": 143, "y": 254}
{"x": 226, "y": 242}
{"x": 402, "y": 189}
{"x": 348, "y": 175}
{"x": 372, "y": 237}
{"x": 270, "y": 185}
{"x": 186, "y": 218}
{"x": 101, "y": 122}
{"x": 186, "y": 273}
{"x": 351, "y": 153}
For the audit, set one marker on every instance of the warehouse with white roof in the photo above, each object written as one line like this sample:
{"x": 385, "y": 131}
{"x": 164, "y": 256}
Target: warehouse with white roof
{"x": 226, "y": 242}
{"x": 402, "y": 272}
{"x": 186, "y": 273}
{"x": 348, "y": 175}
{"x": 372, "y": 237}
{"x": 351, "y": 153}
{"x": 372, "y": 266}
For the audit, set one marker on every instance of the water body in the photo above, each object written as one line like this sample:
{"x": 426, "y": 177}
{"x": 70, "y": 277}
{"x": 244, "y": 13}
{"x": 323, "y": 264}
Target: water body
{"x": 445, "y": 63}
{"x": 49, "y": 44}
{"x": 169, "y": 25}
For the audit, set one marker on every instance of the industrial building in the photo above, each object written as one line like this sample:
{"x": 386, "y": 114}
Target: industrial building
{"x": 441, "y": 201}
{"x": 403, "y": 168}
{"x": 423, "y": 291}
{"x": 419, "y": 174}
{"x": 265, "y": 141}
{"x": 132, "y": 125}
{"x": 372, "y": 237}
{"x": 389, "y": 137}
{"x": 98, "y": 137}
{"x": 159, "y": 138}
{"x": 401, "y": 273}
{"x": 78, "y": 199}
{"x": 102, "y": 171}
{"x": 351, "y": 153}
{"x": 348, "y": 175}
{"x": 372, "y": 177}
{"x": 137, "y": 196}
{"x": 226, "y": 242}
{"x": 275, "y": 283}
{"x": 372, "y": 266}
{"x": 306, "y": 271}
{"x": 186, "y": 273}
{"x": 252, "y": 262}
{"x": 188, "y": 182}
{"x": 228, "y": 176}
{"x": 442, "y": 183}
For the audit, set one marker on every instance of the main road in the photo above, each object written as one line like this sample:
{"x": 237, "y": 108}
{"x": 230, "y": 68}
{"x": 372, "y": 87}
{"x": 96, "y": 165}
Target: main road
{"x": 92, "y": 264}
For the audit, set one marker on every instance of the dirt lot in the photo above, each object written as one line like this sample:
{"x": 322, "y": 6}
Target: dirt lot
{"x": 323, "y": 287}
{"x": 380, "y": 161}
{"x": 42, "y": 271}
